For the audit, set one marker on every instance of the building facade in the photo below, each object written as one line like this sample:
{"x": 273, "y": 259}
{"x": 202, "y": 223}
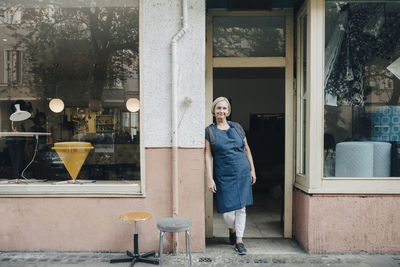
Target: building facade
{"x": 129, "y": 85}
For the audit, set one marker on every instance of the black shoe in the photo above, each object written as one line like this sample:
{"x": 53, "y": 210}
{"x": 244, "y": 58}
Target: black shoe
{"x": 239, "y": 247}
{"x": 232, "y": 238}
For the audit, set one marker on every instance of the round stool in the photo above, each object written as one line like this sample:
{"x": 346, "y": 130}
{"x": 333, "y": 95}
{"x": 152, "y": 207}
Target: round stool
{"x": 135, "y": 256}
{"x": 174, "y": 225}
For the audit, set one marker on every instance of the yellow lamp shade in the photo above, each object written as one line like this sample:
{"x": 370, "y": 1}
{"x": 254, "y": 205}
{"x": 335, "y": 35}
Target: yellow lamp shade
{"x": 73, "y": 155}
{"x": 56, "y": 105}
{"x": 133, "y": 104}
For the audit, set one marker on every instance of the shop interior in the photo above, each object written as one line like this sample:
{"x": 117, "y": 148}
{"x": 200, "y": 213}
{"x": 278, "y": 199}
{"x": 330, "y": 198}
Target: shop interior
{"x": 257, "y": 97}
{"x": 111, "y": 130}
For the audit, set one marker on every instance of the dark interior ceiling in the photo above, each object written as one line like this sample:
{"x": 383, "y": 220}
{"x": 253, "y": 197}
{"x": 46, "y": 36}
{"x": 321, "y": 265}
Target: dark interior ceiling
{"x": 253, "y": 4}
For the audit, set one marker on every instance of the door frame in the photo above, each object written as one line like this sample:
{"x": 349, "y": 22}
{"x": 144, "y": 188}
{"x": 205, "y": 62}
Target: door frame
{"x": 239, "y": 62}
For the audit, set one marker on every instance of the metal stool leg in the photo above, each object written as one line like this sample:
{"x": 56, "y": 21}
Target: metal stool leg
{"x": 186, "y": 241}
{"x": 133, "y": 262}
{"x": 160, "y": 247}
{"x": 135, "y": 240}
{"x": 134, "y": 256}
{"x": 188, "y": 247}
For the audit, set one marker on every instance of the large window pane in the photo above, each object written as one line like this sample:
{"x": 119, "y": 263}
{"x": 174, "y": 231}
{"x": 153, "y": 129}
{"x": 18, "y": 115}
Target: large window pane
{"x": 249, "y": 36}
{"x": 72, "y": 65}
{"x": 362, "y": 89}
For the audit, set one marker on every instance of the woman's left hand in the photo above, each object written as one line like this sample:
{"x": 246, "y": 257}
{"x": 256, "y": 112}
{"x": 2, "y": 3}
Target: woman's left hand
{"x": 253, "y": 177}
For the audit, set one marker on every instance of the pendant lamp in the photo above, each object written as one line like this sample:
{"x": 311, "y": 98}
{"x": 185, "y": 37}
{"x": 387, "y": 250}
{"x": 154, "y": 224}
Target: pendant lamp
{"x": 56, "y": 105}
{"x": 133, "y": 104}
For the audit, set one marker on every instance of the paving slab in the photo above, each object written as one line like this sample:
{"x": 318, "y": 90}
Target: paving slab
{"x": 261, "y": 252}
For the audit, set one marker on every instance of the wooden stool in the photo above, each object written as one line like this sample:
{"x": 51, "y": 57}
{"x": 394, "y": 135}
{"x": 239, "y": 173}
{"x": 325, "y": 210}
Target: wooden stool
{"x": 135, "y": 256}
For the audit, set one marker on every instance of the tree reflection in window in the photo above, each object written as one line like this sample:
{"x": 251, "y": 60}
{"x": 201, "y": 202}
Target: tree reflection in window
{"x": 249, "y": 36}
{"x": 82, "y": 49}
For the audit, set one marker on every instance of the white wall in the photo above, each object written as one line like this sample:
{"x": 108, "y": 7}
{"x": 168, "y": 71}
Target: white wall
{"x": 160, "y": 21}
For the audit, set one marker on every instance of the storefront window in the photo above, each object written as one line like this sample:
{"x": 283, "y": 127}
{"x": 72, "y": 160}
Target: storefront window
{"x": 72, "y": 67}
{"x": 362, "y": 89}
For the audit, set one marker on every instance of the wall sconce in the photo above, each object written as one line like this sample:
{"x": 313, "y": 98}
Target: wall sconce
{"x": 133, "y": 104}
{"x": 56, "y": 105}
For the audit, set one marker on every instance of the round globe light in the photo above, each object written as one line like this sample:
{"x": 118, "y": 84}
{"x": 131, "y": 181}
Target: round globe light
{"x": 56, "y": 105}
{"x": 133, "y": 104}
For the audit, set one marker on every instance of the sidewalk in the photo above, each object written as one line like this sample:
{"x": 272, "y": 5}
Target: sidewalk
{"x": 261, "y": 252}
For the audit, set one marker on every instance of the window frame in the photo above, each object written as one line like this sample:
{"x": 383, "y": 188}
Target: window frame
{"x": 315, "y": 182}
{"x": 301, "y": 140}
{"x": 19, "y": 65}
{"x": 134, "y": 188}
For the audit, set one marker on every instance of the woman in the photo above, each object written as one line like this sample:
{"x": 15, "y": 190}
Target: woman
{"x": 229, "y": 156}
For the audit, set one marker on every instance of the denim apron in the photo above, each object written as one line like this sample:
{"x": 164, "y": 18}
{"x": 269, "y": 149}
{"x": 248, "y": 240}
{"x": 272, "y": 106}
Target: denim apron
{"x": 231, "y": 171}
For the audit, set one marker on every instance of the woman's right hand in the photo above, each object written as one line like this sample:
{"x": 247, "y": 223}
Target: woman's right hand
{"x": 211, "y": 186}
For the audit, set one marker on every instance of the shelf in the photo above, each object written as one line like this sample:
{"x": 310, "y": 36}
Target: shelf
{"x": 105, "y": 124}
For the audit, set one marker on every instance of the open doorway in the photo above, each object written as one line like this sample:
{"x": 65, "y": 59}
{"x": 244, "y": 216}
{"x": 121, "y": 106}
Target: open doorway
{"x": 257, "y": 97}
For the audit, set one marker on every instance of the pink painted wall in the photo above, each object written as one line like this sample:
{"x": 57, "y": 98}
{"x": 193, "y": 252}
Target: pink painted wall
{"x": 348, "y": 223}
{"x": 91, "y": 224}
{"x": 300, "y": 217}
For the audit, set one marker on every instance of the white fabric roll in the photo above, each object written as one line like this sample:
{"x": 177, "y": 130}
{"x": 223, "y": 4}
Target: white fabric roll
{"x": 382, "y": 152}
{"x": 354, "y": 159}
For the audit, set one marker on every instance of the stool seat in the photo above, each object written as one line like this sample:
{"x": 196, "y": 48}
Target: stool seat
{"x": 173, "y": 225}
{"x": 135, "y": 216}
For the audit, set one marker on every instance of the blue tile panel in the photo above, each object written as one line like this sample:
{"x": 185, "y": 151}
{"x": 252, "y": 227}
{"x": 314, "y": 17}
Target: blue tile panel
{"x": 386, "y": 123}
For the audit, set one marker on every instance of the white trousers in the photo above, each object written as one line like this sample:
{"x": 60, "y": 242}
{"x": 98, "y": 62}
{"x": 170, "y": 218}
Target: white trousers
{"x": 236, "y": 219}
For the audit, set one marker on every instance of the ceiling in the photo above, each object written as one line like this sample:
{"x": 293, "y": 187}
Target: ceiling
{"x": 253, "y": 4}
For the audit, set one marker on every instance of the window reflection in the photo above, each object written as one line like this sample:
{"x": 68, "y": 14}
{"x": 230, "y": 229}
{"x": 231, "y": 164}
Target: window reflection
{"x": 85, "y": 56}
{"x": 362, "y": 89}
{"x": 249, "y": 36}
